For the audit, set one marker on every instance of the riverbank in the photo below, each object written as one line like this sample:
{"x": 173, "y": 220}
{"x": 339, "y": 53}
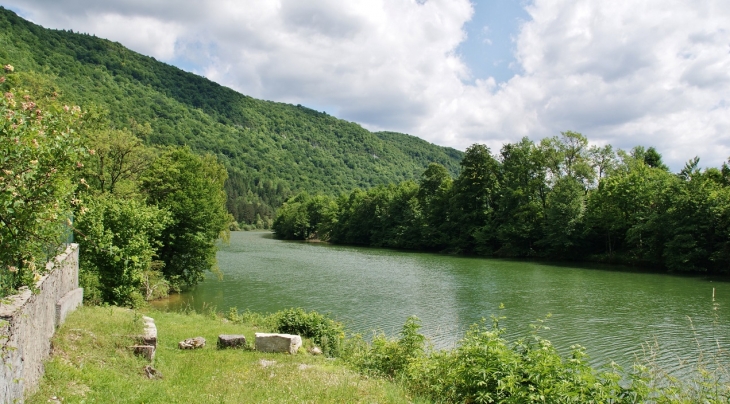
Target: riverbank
{"x": 91, "y": 362}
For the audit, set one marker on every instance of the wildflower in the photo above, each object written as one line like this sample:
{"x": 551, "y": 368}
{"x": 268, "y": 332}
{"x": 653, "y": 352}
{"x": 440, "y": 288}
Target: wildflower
{"x": 66, "y": 108}
{"x": 83, "y": 210}
{"x": 26, "y": 97}
{"x": 68, "y": 222}
{"x": 36, "y": 277}
{"x": 83, "y": 181}
{"x": 13, "y": 269}
{"x": 2, "y": 79}
{"x": 9, "y": 96}
{"x": 92, "y": 151}
{"x": 34, "y": 162}
{"x": 35, "y": 143}
{"x": 79, "y": 164}
{"x": 9, "y": 68}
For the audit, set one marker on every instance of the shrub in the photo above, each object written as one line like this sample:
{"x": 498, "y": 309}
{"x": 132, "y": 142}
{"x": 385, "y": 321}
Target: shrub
{"x": 390, "y": 357}
{"x": 117, "y": 243}
{"x": 325, "y": 332}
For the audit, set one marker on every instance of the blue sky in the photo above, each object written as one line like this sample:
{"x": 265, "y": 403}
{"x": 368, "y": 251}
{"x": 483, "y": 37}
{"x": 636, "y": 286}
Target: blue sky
{"x": 453, "y": 72}
{"x": 489, "y": 47}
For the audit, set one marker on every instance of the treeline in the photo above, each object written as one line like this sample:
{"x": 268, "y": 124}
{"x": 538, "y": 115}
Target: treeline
{"x": 146, "y": 218}
{"x": 270, "y": 150}
{"x": 557, "y": 198}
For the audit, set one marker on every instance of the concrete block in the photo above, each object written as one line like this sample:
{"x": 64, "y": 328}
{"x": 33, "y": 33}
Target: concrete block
{"x": 288, "y": 343}
{"x": 231, "y": 341}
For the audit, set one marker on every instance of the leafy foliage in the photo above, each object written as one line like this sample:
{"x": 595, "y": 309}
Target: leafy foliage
{"x": 118, "y": 244}
{"x": 486, "y": 368}
{"x": 40, "y": 149}
{"x": 323, "y": 331}
{"x": 190, "y": 187}
{"x": 557, "y": 199}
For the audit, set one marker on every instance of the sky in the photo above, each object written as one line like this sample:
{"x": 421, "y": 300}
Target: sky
{"x": 452, "y": 72}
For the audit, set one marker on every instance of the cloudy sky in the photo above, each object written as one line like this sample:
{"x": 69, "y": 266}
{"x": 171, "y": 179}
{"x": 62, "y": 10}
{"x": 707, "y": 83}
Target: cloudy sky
{"x": 453, "y": 72}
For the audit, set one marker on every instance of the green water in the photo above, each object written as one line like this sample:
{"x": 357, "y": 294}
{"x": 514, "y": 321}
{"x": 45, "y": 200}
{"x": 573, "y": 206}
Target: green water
{"x": 612, "y": 313}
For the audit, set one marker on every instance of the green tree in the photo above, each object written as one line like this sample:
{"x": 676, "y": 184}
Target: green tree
{"x": 627, "y": 211}
{"x": 475, "y": 194}
{"x": 520, "y": 214}
{"x": 190, "y": 187}
{"x": 434, "y": 194}
{"x": 304, "y": 217}
{"x": 118, "y": 159}
{"x": 118, "y": 242}
{"x": 563, "y": 217}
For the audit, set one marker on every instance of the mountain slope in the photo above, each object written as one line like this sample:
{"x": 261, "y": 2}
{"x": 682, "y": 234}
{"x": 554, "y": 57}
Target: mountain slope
{"x": 270, "y": 149}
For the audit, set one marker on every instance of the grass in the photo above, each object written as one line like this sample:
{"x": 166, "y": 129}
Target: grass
{"x": 91, "y": 363}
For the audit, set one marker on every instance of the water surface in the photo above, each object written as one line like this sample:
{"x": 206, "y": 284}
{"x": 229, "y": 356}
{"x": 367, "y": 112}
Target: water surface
{"x": 614, "y": 314}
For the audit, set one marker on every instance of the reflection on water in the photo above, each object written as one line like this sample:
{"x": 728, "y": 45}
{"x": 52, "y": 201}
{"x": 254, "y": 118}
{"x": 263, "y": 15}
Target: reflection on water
{"x": 611, "y": 313}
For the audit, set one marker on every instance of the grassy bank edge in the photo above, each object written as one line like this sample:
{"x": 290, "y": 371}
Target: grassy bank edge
{"x": 91, "y": 362}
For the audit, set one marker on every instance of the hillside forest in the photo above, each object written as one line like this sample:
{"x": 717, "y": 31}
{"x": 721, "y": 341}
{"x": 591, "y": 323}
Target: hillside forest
{"x": 146, "y": 166}
{"x": 270, "y": 150}
{"x": 558, "y": 198}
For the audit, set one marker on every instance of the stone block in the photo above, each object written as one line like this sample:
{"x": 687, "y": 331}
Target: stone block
{"x": 68, "y": 303}
{"x": 288, "y": 343}
{"x": 147, "y": 351}
{"x": 231, "y": 341}
{"x": 149, "y": 335}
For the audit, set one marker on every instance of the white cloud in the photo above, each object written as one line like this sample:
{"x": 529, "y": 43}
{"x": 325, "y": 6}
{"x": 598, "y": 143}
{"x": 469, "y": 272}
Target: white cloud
{"x": 650, "y": 72}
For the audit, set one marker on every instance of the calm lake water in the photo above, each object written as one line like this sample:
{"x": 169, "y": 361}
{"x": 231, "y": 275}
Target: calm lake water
{"x": 613, "y": 314}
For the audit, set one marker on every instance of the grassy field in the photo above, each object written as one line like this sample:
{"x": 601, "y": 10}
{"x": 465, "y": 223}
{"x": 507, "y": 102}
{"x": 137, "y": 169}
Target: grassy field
{"x": 91, "y": 363}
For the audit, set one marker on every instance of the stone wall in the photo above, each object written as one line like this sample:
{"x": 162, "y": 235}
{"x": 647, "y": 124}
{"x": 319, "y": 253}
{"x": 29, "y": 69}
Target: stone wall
{"x": 28, "y": 321}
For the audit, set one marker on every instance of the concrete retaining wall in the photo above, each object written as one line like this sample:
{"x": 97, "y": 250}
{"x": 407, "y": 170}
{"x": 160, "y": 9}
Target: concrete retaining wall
{"x": 28, "y": 321}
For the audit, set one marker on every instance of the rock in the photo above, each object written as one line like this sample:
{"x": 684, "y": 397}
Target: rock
{"x": 149, "y": 336}
{"x": 231, "y": 341}
{"x": 278, "y": 342}
{"x": 315, "y": 350}
{"x": 192, "y": 343}
{"x": 152, "y": 373}
{"x": 148, "y": 351}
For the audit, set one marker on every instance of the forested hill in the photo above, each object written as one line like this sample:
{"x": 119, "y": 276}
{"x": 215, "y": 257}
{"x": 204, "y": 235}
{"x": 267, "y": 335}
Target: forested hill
{"x": 271, "y": 150}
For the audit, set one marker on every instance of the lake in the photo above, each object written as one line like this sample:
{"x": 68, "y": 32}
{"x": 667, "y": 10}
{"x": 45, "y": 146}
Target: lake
{"x": 615, "y": 314}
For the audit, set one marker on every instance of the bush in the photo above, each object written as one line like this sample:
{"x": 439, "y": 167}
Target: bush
{"x": 390, "y": 357}
{"x": 325, "y": 332}
{"x": 486, "y": 368}
{"x": 118, "y": 239}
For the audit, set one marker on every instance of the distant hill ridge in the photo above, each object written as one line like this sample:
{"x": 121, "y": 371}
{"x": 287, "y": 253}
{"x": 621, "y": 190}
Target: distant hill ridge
{"x": 271, "y": 149}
